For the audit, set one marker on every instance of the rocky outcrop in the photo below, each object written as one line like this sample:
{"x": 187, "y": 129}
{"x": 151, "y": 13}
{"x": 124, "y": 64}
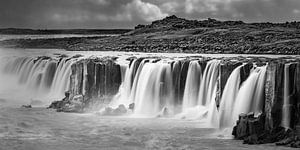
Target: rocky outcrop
{"x": 92, "y": 81}
{"x": 96, "y": 79}
{"x": 280, "y": 119}
{"x": 68, "y": 105}
{"x": 251, "y": 130}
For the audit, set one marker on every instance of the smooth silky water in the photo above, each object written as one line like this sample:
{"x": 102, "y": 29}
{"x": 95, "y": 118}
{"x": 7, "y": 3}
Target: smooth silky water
{"x": 194, "y": 124}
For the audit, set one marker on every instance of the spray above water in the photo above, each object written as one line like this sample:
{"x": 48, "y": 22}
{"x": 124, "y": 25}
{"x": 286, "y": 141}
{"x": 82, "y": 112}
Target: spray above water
{"x": 42, "y": 78}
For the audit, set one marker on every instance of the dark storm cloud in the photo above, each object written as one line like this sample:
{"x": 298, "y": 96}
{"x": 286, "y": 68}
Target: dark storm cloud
{"x": 127, "y": 13}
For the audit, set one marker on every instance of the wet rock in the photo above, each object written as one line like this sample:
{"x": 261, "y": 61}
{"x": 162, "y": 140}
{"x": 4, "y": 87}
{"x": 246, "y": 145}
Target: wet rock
{"x": 97, "y": 79}
{"x": 68, "y": 105}
{"x": 58, "y": 105}
{"x": 131, "y": 106}
{"x": 26, "y": 106}
{"x": 251, "y": 130}
{"x": 242, "y": 127}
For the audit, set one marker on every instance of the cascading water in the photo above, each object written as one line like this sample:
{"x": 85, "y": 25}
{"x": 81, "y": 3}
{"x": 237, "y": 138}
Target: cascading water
{"x": 190, "y": 97}
{"x": 286, "y": 114}
{"x": 250, "y": 95}
{"x": 123, "y": 96}
{"x": 228, "y": 98}
{"x": 39, "y": 78}
{"x": 209, "y": 83}
{"x": 151, "y": 84}
{"x": 154, "y": 89}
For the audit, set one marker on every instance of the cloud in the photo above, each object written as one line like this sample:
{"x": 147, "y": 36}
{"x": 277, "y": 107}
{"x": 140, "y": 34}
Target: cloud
{"x": 200, "y": 6}
{"x": 144, "y": 10}
{"x": 296, "y": 11}
{"x": 128, "y": 13}
{"x": 170, "y": 6}
{"x": 100, "y": 2}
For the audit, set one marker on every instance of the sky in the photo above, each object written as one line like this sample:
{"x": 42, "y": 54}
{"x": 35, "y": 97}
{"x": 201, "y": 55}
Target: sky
{"x": 110, "y": 14}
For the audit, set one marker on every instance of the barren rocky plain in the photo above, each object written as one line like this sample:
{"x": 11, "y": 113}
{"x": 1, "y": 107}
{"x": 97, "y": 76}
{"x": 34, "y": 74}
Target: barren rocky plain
{"x": 174, "y": 34}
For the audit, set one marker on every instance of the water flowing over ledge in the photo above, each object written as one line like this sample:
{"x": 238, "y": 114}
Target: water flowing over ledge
{"x": 214, "y": 90}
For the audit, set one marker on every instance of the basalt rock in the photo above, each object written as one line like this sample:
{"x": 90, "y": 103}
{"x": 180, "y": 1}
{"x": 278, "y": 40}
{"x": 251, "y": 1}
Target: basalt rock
{"x": 97, "y": 79}
{"x": 251, "y": 130}
{"x": 279, "y": 121}
{"x": 131, "y": 106}
{"x": 68, "y": 105}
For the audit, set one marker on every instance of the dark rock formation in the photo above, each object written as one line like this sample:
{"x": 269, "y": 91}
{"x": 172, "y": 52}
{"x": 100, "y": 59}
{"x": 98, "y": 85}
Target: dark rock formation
{"x": 273, "y": 126}
{"x": 251, "y": 130}
{"x": 131, "y": 106}
{"x": 68, "y": 105}
{"x": 98, "y": 80}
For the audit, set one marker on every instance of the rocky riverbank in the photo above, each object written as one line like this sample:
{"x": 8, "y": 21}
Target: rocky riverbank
{"x": 173, "y": 34}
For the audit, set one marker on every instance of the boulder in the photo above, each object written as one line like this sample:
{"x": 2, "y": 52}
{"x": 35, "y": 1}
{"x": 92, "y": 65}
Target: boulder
{"x": 131, "y": 106}
{"x": 242, "y": 127}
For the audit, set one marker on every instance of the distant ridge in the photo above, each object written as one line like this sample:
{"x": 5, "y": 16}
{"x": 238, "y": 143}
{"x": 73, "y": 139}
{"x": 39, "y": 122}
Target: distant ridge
{"x": 175, "y": 23}
{"x": 62, "y": 31}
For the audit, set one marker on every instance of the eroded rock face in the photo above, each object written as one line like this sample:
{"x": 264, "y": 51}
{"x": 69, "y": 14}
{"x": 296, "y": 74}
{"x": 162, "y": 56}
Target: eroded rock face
{"x": 96, "y": 79}
{"x": 251, "y": 130}
{"x": 280, "y": 120}
{"x": 275, "y": 88}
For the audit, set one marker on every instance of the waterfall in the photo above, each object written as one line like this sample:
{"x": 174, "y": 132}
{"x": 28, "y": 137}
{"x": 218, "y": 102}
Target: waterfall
{"x": 40, "y": 78}
{"x": 154, "y": 89}
{"x": 209, "y": 83}
{"x": 181, "y": 88}
{"x": 250, "y": 95}
{"x": 228, "y": 98}
{"x": 204, "y": 107}
{"x": 61, "y": 81}
{"x": 286, "y": 114}
{"x": 190, "y": 97}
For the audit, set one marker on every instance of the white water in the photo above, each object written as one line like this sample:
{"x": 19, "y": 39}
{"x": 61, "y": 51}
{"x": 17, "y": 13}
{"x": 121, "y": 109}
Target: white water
{"x": 228, "y": 98}
{"x": 192, "y": 85}
{"x": 250, "y": 95}
{"x": 148, "y": 84}
{"x": 36, "y": 81}
{"x": 286, "y": 114}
